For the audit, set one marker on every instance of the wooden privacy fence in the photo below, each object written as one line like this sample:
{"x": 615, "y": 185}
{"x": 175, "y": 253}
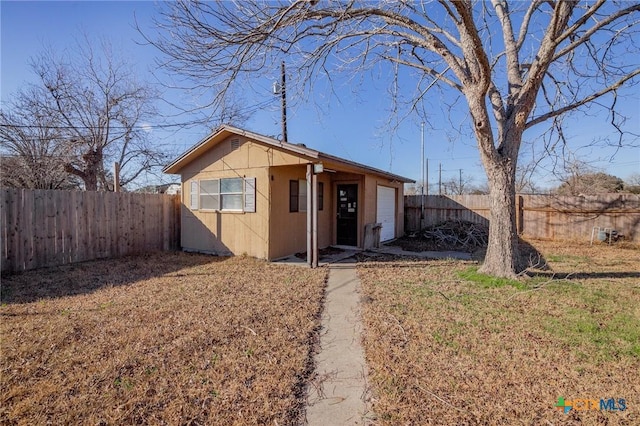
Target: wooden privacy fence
{"x": 47, "y": 228}
{"x": 538, "y": 216}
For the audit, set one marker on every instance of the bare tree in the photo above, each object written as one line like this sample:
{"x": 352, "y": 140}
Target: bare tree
{"x": 580, "y": 178}
{"x": 525, "y": 181}
{"x": 516, "y": 64}
{"x": 98, "y": 112}
{"x": 632, "y": 184}
{"x": 458, "y": 185}
{"x": 32, "y": 156}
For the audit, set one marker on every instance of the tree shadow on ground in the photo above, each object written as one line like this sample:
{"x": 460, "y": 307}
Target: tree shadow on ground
{"x": 584, "y": 275}
{"x": 530, "y": 256}
{"x": 87, "y": 277}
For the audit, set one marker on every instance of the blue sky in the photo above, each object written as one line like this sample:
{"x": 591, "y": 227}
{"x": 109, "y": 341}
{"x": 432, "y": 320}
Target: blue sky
{"x": 352, "y": 126}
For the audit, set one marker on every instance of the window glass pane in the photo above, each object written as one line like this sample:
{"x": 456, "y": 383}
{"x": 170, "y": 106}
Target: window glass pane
{"x": 209, "y": 198}
{"x": 209, "y": 186}
{"x": 209, "y": 202}
{"x": 232, "y": 202}
{"x": 231, "y": 185}
{"x": 302, "y": 199}
{"x": 293, "y": 195}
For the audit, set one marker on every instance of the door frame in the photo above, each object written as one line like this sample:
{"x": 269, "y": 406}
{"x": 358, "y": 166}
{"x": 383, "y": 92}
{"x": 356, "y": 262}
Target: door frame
{"x": 359, "y": 207}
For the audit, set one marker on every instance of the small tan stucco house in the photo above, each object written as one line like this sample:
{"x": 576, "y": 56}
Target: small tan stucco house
{"x": 245, "y": 193}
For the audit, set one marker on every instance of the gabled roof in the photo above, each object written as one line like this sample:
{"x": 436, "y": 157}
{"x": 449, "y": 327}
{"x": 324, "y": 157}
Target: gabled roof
{"x": 224, "y": 131}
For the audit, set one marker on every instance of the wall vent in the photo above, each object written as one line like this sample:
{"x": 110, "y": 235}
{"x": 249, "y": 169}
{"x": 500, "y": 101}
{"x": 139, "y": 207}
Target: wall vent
{"x": 235, "y": 144}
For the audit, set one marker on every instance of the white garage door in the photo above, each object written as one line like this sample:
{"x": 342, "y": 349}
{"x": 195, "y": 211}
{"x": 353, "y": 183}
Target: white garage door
{"x": 386, "y": 212}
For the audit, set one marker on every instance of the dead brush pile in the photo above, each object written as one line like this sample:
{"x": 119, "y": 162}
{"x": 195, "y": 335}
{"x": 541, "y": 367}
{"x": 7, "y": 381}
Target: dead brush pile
{"x": 456, "y": 235}
{"x": 158, "y": 339}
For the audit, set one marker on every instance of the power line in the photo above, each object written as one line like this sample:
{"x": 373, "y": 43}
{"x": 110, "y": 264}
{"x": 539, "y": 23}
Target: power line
{"x": 247, "y": 110}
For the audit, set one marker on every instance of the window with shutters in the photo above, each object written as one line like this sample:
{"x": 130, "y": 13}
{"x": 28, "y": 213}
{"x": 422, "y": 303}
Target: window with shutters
{"x": 227, "y": 194}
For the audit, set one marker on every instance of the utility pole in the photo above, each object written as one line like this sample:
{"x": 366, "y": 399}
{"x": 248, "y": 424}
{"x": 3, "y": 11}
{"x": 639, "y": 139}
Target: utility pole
{"x": 310, "y": 245}
{"x": 423, "y": 180}
{"x": 427, "y": 182}
{"x": 460, "y": 185}
{"x": 283, "y": 91}
{"x": 439, "y": 178}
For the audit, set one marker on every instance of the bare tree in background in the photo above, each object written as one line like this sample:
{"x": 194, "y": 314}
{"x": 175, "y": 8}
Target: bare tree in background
{"x": 525, "y": 179}
{"x": 580, "y": 178}
{"x": 32, "y": 156}
{"x": 458, "y": 185}
{"x": 98, "y": 111}
{"x": 516, "y": 64}
{"x": 632, "y": 183}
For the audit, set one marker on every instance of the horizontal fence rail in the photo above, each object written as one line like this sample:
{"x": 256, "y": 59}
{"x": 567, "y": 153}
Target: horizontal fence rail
{"x": 42, "y": 228}
{"x": 537, "y": 216}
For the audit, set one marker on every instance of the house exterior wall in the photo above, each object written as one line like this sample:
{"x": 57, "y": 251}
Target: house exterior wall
{"x": 288, "y": 230}
{"x": 228, "y": 232}
{"x": 231, "y": 232}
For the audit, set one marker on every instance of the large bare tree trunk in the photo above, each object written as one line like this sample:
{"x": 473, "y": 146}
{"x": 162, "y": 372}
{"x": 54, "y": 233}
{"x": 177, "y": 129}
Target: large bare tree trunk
{"x": 93, "y": 164}
{"x": 503, "y": 257}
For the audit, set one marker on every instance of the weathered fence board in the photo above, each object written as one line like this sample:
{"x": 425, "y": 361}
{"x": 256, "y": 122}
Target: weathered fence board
{"x": 437, "y": 209}
{"x": 538, "y": 216}
{"x": 46, "y": 228}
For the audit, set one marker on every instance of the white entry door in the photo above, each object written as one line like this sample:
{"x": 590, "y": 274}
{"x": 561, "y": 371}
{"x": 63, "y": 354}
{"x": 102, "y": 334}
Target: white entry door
{"x": 386, "y": 212}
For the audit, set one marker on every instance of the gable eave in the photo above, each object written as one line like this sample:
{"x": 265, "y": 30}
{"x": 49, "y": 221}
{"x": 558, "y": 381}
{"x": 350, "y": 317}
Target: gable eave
{"x": 222, "y": 133}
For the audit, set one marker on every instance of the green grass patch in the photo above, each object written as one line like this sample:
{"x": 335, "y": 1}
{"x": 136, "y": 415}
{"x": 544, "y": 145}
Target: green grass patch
{"x": 567, "y": 258}
{"x": 597, "y": 328}
{"x": 487, "y": 281}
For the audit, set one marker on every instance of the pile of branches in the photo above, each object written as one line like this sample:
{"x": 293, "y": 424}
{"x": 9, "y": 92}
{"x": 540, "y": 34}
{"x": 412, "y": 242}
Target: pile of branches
{"x": 457, "y": 234}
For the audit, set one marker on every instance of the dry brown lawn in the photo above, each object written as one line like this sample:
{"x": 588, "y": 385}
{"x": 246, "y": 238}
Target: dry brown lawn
{"x": 158, "y": 339}
{"x": 448, "y": 346}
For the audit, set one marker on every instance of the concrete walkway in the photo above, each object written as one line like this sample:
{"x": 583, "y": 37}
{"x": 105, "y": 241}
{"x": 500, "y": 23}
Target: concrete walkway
{"x": 339, "y": 394}
{"x": 348, "y": 252}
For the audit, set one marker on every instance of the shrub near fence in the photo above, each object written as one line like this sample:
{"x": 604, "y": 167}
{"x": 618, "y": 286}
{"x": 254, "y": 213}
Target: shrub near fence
{"x": 47, "y": 228}
{"x": 538, "y": 216}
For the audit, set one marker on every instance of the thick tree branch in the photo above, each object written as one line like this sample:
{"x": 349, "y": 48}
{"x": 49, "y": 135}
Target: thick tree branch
{"x": 524, "y": 27}
{"x": 513, "y": 63}
{"x": 478, "y": 68}
{"x": 544, "y": 117}
{"x": 525, "y": 101}
{"x": 591, "y": 31}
